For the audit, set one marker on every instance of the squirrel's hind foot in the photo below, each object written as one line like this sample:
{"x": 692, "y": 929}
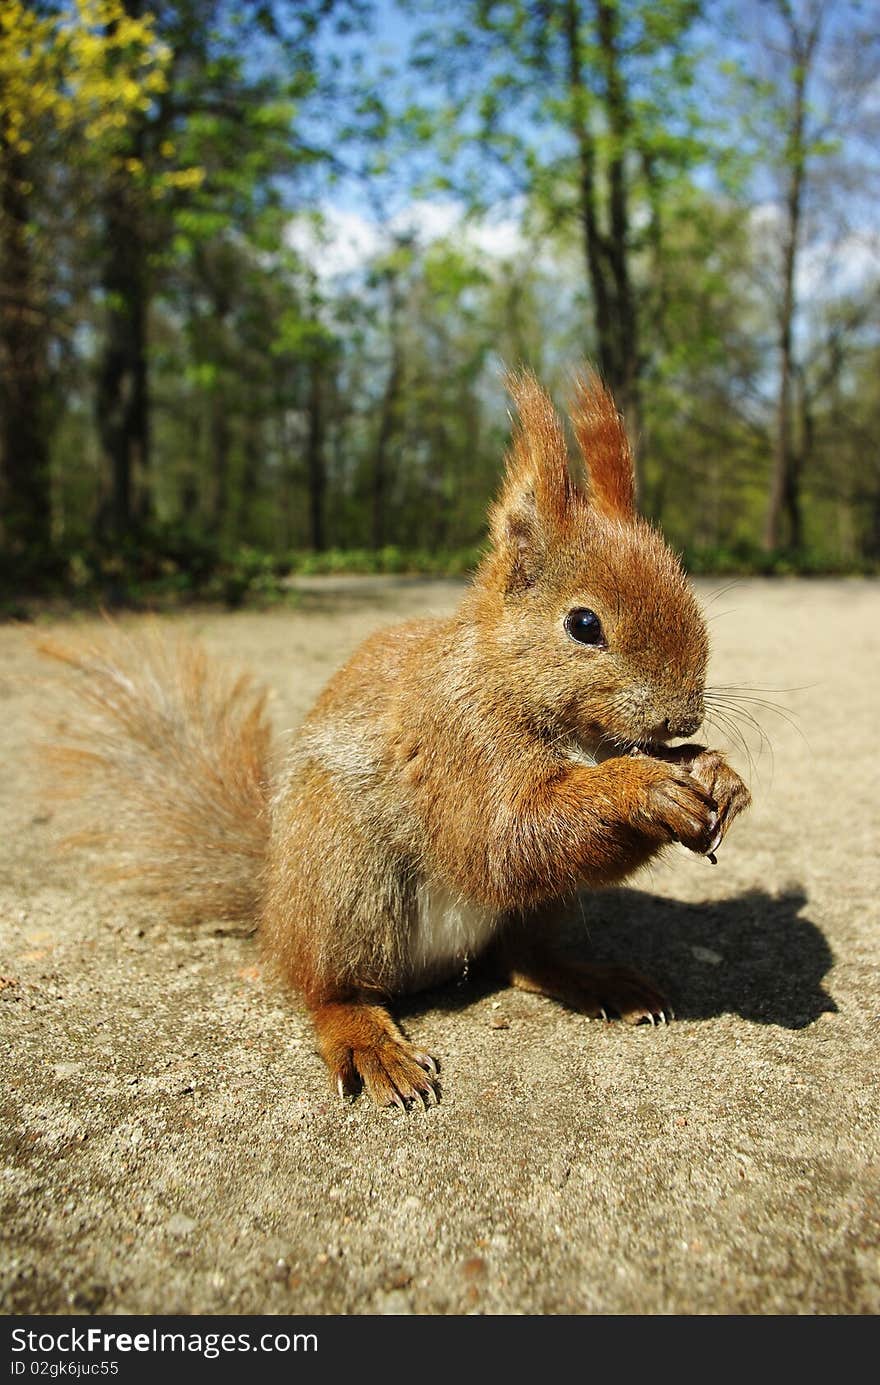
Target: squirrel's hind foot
{"x": 599, "y": 991}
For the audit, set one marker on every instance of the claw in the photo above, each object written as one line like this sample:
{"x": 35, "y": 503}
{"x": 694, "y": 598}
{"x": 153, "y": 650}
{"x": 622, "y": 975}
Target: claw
{"x": 661, "y": 1018}
{"x": 670, "y": 1012}
{"x": 425, "y": 1061}
{"x": 604, "y": 1014}
{"x": 397, "y": 1100}
{"x": 651, "y": 1020}
{"x": 340, "y": 1087}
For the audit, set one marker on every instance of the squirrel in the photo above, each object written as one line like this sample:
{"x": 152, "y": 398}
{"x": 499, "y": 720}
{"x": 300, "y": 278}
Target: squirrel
{"x": 456, "y": 783}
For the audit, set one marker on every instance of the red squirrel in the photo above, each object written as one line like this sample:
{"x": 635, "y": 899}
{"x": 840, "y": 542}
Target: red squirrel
{"x": 457, "y": 781}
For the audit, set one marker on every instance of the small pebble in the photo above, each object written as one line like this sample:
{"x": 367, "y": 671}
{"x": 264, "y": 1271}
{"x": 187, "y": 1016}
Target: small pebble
{"x": 180, "y": 1225}
{"x": 560, "y": 1170}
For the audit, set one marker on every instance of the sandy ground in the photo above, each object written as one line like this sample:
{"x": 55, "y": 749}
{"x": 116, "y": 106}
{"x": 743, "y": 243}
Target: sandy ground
{"x": 170, "y": 1143}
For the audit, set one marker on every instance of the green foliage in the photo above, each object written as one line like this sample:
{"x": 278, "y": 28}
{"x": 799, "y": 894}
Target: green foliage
{"x": 169, "y": 566}
{"x": 455, "y": 562}
{"x": 299, "y": 421}
{"x": 750, "y": 560}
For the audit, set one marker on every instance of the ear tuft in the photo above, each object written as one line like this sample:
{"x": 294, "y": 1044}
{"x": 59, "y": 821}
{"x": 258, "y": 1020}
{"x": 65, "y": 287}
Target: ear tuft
{"x": 538, "y": 491}
{"x": 605, "y": 448}
{"x": 539, "y": 456}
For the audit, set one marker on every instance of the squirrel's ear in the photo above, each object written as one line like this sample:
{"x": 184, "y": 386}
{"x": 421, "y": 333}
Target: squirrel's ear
{"x": 538, "y": 491}
{"x": 605, "y": 448}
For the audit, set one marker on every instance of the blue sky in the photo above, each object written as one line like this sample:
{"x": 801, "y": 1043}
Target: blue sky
{"x": 840, "y": 256}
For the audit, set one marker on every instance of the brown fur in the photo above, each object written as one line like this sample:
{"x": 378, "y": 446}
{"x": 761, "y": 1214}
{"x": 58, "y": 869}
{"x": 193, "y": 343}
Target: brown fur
{"x": 173, "y": 755}
{"x": 602, "y": 438}
{"x": 443, "y": 794}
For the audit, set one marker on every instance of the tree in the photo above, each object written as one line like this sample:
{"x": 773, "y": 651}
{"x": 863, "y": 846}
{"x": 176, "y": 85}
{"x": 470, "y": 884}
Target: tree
{"x": 586, "y": 108}
{"x": 810, "y": 125}
{"x": 211, "y": 156}
{"x": 208, "y": 103}
{"x": 72, "y": 79}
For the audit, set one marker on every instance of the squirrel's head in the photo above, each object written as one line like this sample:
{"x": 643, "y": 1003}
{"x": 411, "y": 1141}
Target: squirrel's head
{"x": 580, "y": 593}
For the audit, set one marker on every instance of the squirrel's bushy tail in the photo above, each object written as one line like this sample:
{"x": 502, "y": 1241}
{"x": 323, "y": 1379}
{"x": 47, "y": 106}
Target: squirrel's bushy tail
{"x": 171, "y": 754}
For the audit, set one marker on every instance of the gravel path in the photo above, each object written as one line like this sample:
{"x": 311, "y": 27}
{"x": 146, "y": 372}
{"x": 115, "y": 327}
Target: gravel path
{"x": 170, "y": 1143}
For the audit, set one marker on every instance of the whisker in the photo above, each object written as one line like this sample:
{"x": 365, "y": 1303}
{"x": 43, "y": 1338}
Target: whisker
{"x": 734, "y": 705}
{"x": 733, "y": 713}
{"x": 743, "y": 688}
{"x": 732, "y": 699}
{"x": 737, "y": 581}
{"x": 733, "y": 708}
{"x": 729, "y": 728}
{"x": 729, "y": 700}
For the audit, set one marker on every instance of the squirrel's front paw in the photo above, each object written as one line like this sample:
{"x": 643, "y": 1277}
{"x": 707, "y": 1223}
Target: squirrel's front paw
{"x": 363, "y": 1047}
{"x": 392, "y": 1072}
{"x": 731, "y": 796}
{"x": 684, "y": 809}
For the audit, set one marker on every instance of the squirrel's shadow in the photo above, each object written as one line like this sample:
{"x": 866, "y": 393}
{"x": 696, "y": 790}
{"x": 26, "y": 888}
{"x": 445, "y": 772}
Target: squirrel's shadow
{"x": 753, "y": 955}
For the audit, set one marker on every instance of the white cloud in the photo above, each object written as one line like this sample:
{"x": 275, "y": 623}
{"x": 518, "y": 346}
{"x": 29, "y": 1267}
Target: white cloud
{"x": 828, "y": 266}
{"x": 428, "y": 221}
{"x": 340, "y": 243}
{"x": 343, "y": 241}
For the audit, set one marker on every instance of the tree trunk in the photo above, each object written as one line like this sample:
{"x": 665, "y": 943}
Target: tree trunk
{"x": 625, "y": 383}
{"x": 315, "y": 471}
{"x": 380, "y": 456}
{"x": 221, "y": 404}
{"x": 783, "y": 524}
{"x": 249, "y": 483}
{"x": 122, "y": 403}
{"x": 871, "y": 545}
{"x": 386, "y": 424}
{"x": 220, "y": 445}
{"x": 594, "y": 250}
{"x": 24, "y": 371}
{"x": 286, "y": 475}
{"x": 607, "y": 254}
{"x": 190, "y": 489}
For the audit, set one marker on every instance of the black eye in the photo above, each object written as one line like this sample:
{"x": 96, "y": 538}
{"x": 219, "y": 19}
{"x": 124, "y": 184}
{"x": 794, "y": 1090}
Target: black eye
{"x": 584, "y": 626}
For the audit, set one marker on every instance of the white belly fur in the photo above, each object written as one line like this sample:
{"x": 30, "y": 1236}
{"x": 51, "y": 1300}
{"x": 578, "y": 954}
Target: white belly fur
{"x": 448, "y": 932}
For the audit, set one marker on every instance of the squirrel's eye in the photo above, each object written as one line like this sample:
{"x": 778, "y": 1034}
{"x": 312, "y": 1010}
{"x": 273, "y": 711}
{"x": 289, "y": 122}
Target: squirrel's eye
{"x": 584, "y": 626}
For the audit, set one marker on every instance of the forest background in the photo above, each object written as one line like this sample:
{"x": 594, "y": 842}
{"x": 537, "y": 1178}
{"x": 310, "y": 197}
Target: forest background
{"x": 262, "y": 266}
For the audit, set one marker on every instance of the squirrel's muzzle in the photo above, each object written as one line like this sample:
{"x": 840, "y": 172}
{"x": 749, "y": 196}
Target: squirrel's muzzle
{"x": 684, "y": 723}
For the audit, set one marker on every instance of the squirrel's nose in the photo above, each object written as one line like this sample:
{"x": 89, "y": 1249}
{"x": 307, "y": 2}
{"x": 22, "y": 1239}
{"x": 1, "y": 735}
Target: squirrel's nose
{"x": 684, "y": 725}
